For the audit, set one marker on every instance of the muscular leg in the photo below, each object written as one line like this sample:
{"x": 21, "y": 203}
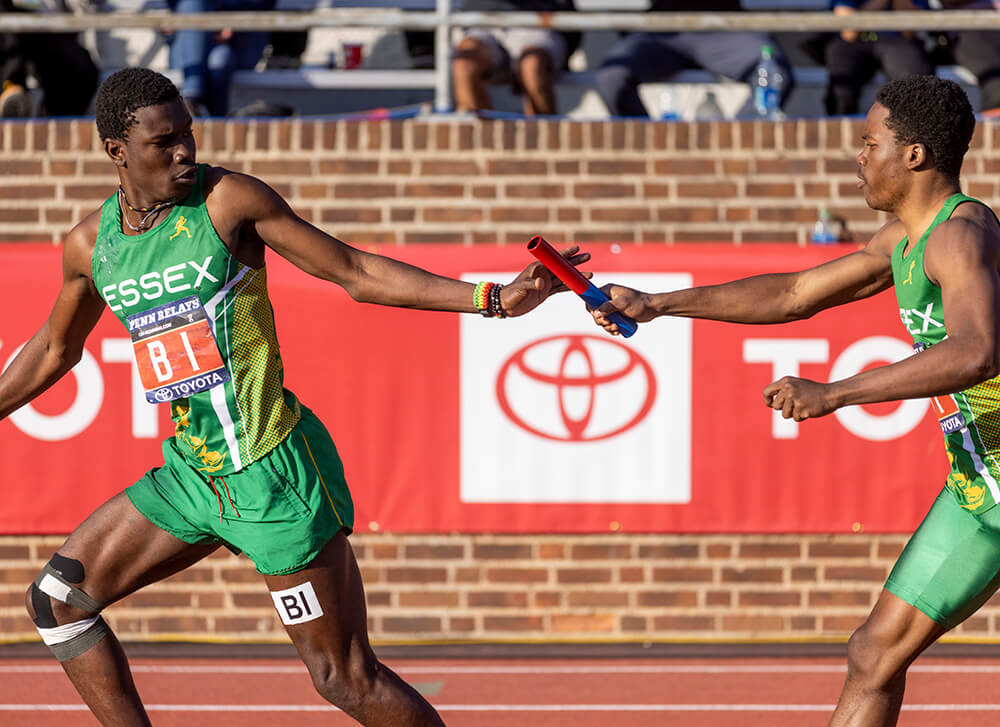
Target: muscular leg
{"x": 469, "y": 68}
{"x": 120, "y": 552}
{"x": 878, "y": 655}
{"x": 537, "y": 78}
{"x": 335, "y": 648}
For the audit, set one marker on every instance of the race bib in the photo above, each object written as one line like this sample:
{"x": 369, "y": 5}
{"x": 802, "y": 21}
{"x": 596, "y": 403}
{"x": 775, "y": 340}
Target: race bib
{"x": 175, "y": 350}
{"x": 950, "y": 418}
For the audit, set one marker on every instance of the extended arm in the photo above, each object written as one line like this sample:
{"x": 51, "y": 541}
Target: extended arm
{"x": 374, "y": 278}
{"x": 58, "y": 346}
{"x": 774, "y": 298}
{"x": 961, "y": 258}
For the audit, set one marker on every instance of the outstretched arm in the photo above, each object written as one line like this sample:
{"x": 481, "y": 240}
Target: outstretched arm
{"x": 374, "y": 278}
{"x": 774, "y": 298}
{"x": 962, "y": 259}
{"x": 58, "y": 346}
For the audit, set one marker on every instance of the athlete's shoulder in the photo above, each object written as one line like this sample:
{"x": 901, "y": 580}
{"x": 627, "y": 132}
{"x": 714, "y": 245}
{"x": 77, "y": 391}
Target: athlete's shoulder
{"x": 235, "y": 193}
{"x": 885, "y": 240}
{"x": 79, "y": 244}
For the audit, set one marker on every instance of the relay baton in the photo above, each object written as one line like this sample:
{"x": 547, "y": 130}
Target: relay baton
{"x": 576, "y": 282}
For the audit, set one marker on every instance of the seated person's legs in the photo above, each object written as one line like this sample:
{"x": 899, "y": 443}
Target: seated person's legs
{"x": 538, "y": 57}
{"x": 189, "y": 52}
{"x": 637, "y": 58}
{"x": 901, "y": 57}
{"x": 979, "y": 52}
{"x": 477, "y": 57}
{"x": 241, "y": 52}
{"x": 850, "y": 66}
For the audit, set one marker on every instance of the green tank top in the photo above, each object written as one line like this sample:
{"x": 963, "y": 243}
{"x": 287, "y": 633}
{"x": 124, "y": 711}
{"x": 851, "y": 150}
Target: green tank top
{"x": 969, "y": 419}
{"x": 202, "y": 332}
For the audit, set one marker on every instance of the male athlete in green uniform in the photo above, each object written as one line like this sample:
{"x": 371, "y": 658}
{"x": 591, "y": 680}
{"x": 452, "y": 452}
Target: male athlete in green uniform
{"x": 942, "y": 253}
{"x": 177, "y": 254}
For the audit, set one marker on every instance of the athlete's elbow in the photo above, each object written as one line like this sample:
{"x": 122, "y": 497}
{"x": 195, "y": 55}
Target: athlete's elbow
{"x": 986, "y": 365}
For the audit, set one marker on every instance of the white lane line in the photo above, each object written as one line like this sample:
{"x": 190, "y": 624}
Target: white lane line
{"x": 511, "y": 708}
{"x": 524, "y": 669}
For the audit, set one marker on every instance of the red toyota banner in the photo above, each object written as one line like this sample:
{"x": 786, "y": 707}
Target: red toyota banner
{"x": 457, "y": 423}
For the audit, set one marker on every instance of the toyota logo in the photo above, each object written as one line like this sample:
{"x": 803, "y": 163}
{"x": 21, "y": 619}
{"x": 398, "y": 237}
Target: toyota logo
{"x": 576, "y": 374}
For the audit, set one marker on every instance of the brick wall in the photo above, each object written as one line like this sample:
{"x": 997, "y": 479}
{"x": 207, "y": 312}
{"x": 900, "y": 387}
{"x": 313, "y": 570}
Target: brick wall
{"x": 509, "y": 588}
{"x": 467, "y": 182}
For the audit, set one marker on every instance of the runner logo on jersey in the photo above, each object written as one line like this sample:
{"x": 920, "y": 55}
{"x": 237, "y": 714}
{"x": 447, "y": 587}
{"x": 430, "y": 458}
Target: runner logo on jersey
{"x": 949, "y": 416}
{"x": 175, "y": 350}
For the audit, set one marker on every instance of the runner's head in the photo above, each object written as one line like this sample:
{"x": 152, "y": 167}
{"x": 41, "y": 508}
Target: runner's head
{"x": 146, "y": 131}
{"x": 918, "y": 125}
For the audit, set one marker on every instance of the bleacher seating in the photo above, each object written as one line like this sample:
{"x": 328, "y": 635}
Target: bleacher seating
{"x": 319, "y": 87}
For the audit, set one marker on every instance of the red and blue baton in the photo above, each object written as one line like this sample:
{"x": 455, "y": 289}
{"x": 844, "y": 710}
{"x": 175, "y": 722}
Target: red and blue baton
{"x": 576, "y": 282}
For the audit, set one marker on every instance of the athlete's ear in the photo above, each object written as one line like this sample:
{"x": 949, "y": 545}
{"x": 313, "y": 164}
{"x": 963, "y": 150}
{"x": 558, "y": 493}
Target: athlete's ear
{"x": 916, "y": 156}
{"x": 115, "y": 150}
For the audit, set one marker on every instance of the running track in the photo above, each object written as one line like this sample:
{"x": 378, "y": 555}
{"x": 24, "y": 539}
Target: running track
{"x": 693, "y": 692}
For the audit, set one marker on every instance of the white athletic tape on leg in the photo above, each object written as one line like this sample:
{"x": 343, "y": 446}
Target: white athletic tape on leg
{"x": 297, "y": 605}
{"x": 62, "y": 634}
{"x": 52, "y": 586}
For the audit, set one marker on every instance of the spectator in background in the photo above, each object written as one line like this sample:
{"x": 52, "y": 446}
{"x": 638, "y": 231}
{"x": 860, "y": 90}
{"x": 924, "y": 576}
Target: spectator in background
{"x": 978, "y": 51}
{"x": 853, "y": 57}
{"x": 530, "y": 58}
{"x": 209, "y": 59}
{"x": 46, "y": 57}
{"x": 648, "y": 57}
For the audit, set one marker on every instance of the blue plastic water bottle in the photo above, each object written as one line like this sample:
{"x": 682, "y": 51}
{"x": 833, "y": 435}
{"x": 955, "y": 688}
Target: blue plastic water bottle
{"x": 769, "y": 81}
{"x": 823, "y": 231}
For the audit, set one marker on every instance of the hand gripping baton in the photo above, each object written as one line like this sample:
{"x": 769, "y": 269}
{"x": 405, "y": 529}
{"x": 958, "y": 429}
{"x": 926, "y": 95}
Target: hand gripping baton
{"x": 576, "y": 282}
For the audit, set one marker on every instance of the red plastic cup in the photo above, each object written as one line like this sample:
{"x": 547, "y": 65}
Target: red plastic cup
{"x": 352, "y": 55}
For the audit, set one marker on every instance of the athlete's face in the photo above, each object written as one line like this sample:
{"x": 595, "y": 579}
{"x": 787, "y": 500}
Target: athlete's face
{"x": 883, "y": 175}
{"x": 159, "y": 155}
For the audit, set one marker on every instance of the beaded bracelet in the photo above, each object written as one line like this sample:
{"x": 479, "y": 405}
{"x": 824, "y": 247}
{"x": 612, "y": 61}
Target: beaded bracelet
{"x": 486, "y": 298}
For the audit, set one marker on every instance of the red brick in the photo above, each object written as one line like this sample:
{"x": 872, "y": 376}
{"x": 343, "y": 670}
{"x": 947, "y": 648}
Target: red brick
{"x": 683, "y": 623}
{"x": 603, "y": 190}
{"x": 826, "y": 599}
{"x": 535, "y": 191}
{"x": 428, "y": 599}
{"x": 687, "y": 214}
{"x": 517, "y": 575}
{"x": 451, "y": 168}
{"x": 411, "y": 624}
{"x": 620, "y": 214}
{"x": 501, "y": 551}
{"x": 498, "y": 167}
{"x": 684, "y": 166}
{"x": 498, "y": 599}
{"x": 280, "y": 168}
{"x": 683, "y": 575}
{"x": 364, "y": 191}
{"x": 441, "y": 551}
{"x": 769, "y": 599}
{"x": 855, "y": 573}
{"x": 415, "y": 575}
{"x": 453, "y": 214}
{"x": 839, "y": 550}
{"x": 519, "y": 214}
{"x": 598, "y": 599}
{"x": 513, "y": 623}
{"x": 433, "y": 190}
{"x": 589, "y": 623}
{"x": 351, "y": 167}
{"x": 749, "y": 623}
{"x": 712, "y": 190}
{"x": 616, "y": 167}
{"x": 350, "y": 214}
{"x": 583, "y": 575}
{"x": 752, "y": 575}
{"x": 667, "y": 599}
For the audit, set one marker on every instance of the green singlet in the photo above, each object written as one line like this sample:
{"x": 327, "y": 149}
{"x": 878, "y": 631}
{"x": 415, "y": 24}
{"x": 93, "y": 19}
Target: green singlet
{"x": 951, "y": 565}
{"x": 247, "y": 465}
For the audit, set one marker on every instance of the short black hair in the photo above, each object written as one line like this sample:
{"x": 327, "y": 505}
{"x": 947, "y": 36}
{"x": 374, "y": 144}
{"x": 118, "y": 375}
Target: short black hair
{"x": 123, "y": 93}
{"x": 934, "y": 112}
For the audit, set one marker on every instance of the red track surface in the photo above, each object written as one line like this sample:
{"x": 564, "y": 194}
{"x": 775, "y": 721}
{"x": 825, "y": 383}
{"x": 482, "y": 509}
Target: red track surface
{"x": 541, "y": 693}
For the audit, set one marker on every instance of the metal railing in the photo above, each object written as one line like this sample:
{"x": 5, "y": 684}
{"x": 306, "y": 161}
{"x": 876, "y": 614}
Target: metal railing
{"x": 443, "y": 19}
